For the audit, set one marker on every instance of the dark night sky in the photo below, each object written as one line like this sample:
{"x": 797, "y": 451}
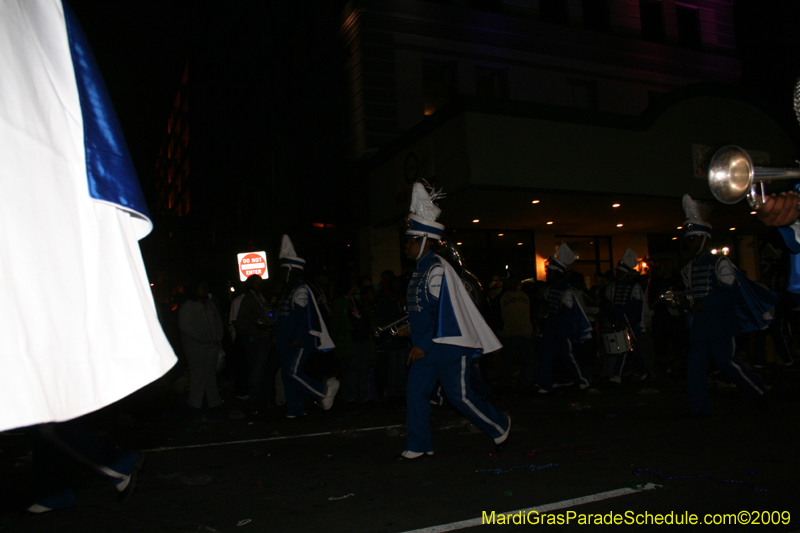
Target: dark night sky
{"x": 142, "y": 46}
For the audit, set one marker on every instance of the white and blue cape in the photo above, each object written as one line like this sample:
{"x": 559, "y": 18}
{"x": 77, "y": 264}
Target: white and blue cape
{"x": 78, "y": 325}
{"x": 459, "y": 322}
{"x": 316, "y": 324}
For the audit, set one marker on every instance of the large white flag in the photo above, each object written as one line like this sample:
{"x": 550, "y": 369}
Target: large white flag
{"x": 78, "y": 326}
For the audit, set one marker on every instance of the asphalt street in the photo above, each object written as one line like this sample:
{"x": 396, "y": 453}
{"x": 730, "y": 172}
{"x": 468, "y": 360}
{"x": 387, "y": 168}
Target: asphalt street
{"x": 574, "y": 456}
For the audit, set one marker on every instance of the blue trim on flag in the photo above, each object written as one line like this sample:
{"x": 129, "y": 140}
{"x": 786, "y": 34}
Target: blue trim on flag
{"x": 109, "y": 169}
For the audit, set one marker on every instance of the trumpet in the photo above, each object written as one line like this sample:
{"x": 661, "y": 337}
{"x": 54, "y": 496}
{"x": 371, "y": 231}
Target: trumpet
{"x": 677, "y": 299}
{"x": 393, "y": 327}
{"x": 732, "y": 176}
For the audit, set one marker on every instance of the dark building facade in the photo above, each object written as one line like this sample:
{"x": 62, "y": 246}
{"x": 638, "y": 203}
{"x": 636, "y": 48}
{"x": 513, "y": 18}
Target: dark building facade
{"x": 538, "y": 117}
{"x": 535, "y": 116}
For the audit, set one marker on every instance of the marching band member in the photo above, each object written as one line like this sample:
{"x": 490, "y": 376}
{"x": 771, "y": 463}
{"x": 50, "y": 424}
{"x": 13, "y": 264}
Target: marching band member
{"x": 725, "y": 303}
{"x": 566, "y": 323}
{"x": 300, "y": 330}
{"x": 625, "y": 306}
{"x": 86, "y": 334}
{"x": 447, "y": 331}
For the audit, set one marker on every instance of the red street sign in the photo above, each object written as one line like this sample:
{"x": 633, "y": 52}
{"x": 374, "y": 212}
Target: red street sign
{"x": 252, "y": 264}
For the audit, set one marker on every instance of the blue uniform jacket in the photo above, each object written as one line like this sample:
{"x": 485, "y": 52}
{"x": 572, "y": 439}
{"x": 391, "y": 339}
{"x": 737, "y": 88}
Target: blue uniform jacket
{"x": 293, "y": 319}
{"x": 623, "y": 307}
{"x": 564, "y": 320}
{"x": 729, "y": 309}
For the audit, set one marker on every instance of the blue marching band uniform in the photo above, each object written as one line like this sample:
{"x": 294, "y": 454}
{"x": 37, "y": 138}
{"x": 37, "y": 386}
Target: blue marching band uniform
{"x": 450, "y": 364}
{"x": 447, "y": 326}
{"x": 566, "y": 324}
{"x": 300, "y": 331}
{"x": 732, "y": 304}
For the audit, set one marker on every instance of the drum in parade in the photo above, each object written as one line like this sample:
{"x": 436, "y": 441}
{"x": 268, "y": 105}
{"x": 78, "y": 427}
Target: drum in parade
{"x": 616, "y": 340}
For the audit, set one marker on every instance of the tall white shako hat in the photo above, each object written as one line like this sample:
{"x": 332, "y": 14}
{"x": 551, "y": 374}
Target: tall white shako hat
{"x": 424, "y": 212}
{"x": 628, "y": 261}
{"x": 694, "y": 223}
{"x": 288, "y": 256}
{"x": 560, "y": 260}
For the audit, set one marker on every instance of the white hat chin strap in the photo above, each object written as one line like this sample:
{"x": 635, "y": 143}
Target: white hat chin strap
{"x": 422, "y": 247}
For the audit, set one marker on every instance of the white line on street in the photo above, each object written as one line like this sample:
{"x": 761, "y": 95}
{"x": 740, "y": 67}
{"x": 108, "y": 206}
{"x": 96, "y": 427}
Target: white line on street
{"x": 464, "y": 524}
{"x": 285, "y": 437}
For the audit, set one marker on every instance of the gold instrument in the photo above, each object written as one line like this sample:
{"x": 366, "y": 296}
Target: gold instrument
{"x": 732, "y": 176}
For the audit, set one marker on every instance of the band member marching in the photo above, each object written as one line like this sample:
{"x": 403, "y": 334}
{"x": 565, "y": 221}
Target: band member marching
{"x": 625, "y": 306}
{"x": 447, "y": 331}
{"x": 300, "y": 331}
{"x": 725, "y": 304}
{"x": 566, "y": 323}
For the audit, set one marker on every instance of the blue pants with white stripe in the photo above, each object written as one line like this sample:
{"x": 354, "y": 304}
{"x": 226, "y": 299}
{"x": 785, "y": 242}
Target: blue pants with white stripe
{"x": 296, "y": 382}
{"x": 721, "y": 350}
{"x": 451, "y": 365}
{"x": 550, "y": 347}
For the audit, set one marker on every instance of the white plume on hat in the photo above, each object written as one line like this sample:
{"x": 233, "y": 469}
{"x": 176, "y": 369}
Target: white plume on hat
{"x": 424, "y": 212}
{"x": 628, "y": 261}
{"x": 288, "y": 256}
{"x": 422, "y": 201}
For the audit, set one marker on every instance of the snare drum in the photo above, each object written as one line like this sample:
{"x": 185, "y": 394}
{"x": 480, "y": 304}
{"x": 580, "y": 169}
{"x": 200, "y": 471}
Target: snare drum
{"x": 616, "y": 341}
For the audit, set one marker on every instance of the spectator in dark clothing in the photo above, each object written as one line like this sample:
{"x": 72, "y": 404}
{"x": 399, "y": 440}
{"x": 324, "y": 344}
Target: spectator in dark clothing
{"x": 392, "y": 350}
{"x": 252, "y": 323}
{"x": 355, "y": 376}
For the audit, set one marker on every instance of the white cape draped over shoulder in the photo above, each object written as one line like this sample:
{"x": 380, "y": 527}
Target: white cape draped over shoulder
{"x": 78, "y": 325}
{"x": 459, "y": 322}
